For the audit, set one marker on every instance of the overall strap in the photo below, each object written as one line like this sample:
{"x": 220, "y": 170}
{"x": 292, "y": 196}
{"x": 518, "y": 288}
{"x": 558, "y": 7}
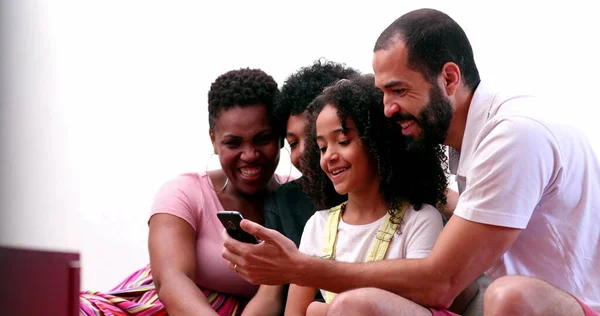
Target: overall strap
{"x": 386, "y": 233}
{"x": 383, "y": 237}
{"x": 331, "y": 229}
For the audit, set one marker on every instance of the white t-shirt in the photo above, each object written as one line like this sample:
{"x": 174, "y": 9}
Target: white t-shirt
{"x": 415, "y": 237}
{"x": 522, "y": 166}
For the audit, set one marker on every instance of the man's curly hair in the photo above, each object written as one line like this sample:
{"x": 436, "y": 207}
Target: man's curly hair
{"x": 241, "y": 87}
{"x": 302, "y": 87}
{"x": 417, "y": 178}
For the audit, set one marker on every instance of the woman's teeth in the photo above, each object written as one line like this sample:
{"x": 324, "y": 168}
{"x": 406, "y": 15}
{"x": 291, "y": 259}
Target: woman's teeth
{"x": 250, "y": 172}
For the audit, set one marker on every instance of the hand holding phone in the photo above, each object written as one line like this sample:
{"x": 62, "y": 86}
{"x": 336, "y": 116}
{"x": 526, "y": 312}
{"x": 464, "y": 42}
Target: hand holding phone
{"x": 231, "y": 221}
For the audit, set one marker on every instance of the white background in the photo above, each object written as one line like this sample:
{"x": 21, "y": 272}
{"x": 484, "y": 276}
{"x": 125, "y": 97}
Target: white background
{"x": 103, "y": 101}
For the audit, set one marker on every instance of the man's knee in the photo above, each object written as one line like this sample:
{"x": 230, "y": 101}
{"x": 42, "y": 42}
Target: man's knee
{"x": 521, "y": 295}
{"x": 511, "y": 289}
{"x": 354, "y": 302}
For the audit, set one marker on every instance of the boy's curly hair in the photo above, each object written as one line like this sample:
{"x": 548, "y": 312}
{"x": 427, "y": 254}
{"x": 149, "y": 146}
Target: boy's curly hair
{"x": 302, "y": 87}
{"x": 417, "y": 178}
{"x": 241, "y": 87}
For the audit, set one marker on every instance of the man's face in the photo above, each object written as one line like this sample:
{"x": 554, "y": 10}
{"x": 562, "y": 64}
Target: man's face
{"x": 418, "y": 105}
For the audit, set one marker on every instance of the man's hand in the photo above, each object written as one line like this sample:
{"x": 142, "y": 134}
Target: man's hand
{"x": 271, "y": 262}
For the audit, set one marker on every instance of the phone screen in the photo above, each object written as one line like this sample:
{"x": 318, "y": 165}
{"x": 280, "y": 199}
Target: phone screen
{"x": 231, "y": 221}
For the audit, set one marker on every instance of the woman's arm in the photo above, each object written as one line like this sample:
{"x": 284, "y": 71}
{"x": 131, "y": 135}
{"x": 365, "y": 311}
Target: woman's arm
{"x": 267, "y": 301}
{"x": 299, "y": 297}
{"x": 173, "y": 261}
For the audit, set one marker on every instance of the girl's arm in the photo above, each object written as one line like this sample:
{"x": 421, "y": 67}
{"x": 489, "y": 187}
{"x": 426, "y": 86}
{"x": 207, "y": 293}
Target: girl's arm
{"x": 267, "y": 301}
{"x": 317, "y": 309}
{"x": 299, "y": 297}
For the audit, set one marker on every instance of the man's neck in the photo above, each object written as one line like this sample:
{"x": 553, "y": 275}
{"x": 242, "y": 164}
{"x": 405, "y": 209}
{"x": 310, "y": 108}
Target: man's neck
{"x": 456, "y": 131}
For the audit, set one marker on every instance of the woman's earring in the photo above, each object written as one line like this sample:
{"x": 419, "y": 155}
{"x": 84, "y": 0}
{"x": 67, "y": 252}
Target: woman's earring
{"x": 208, "y": 181}
{"x": 290, "y": 173}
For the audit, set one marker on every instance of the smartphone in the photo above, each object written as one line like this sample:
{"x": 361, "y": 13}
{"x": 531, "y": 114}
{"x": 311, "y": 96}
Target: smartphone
{"x": 231, "y": 221}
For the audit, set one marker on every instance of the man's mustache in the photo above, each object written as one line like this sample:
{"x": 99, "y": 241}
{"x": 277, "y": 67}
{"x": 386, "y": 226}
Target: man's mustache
{"x": 399, "y": 117}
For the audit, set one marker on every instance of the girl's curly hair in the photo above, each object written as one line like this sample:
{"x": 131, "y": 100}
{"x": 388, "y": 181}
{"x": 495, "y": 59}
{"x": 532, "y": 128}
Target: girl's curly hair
{"x": 415, "y": 177}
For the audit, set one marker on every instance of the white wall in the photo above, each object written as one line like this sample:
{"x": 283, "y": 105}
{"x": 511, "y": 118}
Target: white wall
{"x": 102, "y": 101}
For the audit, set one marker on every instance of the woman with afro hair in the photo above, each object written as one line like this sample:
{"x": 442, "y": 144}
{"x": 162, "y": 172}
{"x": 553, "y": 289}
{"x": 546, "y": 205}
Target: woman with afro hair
{"x": 187, "y": 273}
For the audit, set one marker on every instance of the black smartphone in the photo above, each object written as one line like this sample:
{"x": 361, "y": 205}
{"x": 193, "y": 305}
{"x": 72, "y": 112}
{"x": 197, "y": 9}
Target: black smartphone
{"x": 231, "y": 221}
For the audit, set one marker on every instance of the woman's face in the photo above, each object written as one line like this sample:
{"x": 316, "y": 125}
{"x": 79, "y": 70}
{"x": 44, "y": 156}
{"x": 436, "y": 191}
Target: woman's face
{"x": 247, "y": 146}
{"x": 343, "y": 156}
{"x": 296, "y": 137}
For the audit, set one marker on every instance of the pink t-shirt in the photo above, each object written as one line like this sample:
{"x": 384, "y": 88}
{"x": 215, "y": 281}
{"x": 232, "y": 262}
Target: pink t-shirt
{"x": 190, "y": 198}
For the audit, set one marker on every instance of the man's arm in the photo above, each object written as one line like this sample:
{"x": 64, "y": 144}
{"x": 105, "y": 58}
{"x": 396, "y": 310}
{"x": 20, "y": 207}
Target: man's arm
{"x": 464, "y": 250}
{"x": 509, "y": 172}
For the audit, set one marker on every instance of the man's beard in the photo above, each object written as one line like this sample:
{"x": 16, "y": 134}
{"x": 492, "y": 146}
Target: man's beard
{"x": 434, "y": 121}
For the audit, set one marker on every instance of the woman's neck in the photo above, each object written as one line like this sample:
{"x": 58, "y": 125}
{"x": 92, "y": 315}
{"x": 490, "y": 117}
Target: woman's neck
{"x": 365, "y": 206}
{"x": 251, "y": 206}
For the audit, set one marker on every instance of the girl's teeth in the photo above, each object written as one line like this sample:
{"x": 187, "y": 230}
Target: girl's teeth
{"x": 338, "y": 171}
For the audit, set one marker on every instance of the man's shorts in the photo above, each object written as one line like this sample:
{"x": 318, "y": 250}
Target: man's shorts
{"x": 443, "y": 312}
{"x": 587, "y": 311}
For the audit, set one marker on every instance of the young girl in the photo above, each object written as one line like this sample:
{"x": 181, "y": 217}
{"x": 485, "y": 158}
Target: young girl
{"x": 389, "y": 212}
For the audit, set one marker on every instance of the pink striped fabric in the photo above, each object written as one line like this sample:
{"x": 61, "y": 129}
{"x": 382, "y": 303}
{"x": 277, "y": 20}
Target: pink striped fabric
{"x": 137, "y": 296}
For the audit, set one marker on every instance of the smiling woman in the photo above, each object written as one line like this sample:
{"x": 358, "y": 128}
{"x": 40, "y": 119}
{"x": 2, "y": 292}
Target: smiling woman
{"x": 248, "y": 149}
{"x": 188, "y": 274}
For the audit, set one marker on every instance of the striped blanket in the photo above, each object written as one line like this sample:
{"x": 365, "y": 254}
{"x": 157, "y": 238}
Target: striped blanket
{"x": 137, "y": 296}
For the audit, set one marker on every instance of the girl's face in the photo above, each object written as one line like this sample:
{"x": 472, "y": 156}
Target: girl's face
{"x": 296, "y": 137}
{"x": 343, "y": 157}
{"x": 248, "y": 148}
